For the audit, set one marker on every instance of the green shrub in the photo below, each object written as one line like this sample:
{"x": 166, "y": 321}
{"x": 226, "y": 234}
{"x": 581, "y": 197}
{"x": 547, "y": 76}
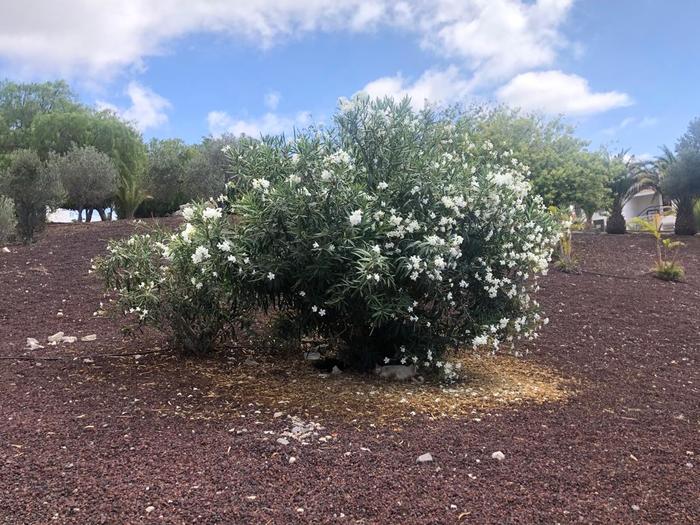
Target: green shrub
{"x": 33, "y": 189}
{"x": 391, "y": 233}
{"x": 8, "y": 221}
{"x": 186, "y": 284}
{"x": 668, "y": 271}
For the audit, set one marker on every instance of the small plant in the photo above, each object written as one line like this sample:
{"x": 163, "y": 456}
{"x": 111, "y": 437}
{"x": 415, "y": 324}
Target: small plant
{"x": 8, "y": 221}
{"x": 564, "y": 257}
{"x": 666, "y": 266}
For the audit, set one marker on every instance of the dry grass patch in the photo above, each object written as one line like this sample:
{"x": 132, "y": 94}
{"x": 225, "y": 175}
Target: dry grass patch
{"x": 296, "y": 387}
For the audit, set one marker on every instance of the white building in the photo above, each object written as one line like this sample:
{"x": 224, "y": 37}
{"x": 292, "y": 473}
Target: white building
{"x": 644, "y": 204}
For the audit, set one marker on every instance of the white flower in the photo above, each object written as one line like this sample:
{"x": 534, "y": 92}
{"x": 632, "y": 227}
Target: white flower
{"x": 315, "y": 245}
{"x": 224, "y": 246}
{"x": 386, "y": 360}
{"x": 382, "y": 185}
{"x": 260, "y": 184}
{"x": 356, "y": 217}
{"x": 270, "y": 276}
{"x": 211, "y": 213}
{"x": 200, "y": 254}
{"x": 480, "y": 340}
{"x": 302, "y": 293}
{"x": 231, "y": 259}
{"x": 314, "y": 308}
{"x": 188, "y": 213}
{"x": 187, "y": 232}
{"x": 376, "y": 249}
{"x": 322, "y": 312}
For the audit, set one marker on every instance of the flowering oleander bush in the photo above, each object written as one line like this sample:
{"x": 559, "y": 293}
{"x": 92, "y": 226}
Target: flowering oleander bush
{"x": 394, "y": 233}
{"x": 188, "y": 283}
{"x": 391, "y": 232}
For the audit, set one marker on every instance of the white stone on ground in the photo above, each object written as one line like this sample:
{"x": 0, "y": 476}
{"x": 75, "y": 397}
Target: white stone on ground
{"x": 500, "y": 456}
{"x": 33, "y": 344}
{"x": 55, "y": 338}
{"x": 425, "y": 458}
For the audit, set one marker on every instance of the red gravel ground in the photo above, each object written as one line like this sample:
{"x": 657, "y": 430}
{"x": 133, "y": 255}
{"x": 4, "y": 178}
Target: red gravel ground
{"x": 127, "y": 440}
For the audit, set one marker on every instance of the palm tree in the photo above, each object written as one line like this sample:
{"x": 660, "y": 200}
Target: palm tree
{"x": 628, "y": 177}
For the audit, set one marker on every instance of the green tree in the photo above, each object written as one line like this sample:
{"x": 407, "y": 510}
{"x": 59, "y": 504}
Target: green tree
{"x": 627, "y": 177}
{"x": 165, "y": 177}
{"x": 206, "y": 173}
{"x": 88, "y": 177}
{"x": 682, "y": 184}
{"x": 21, "y": 103}
{"x": 562, "y": 170}
{"x": 59, "y": 132}
{"x": 681, "y": 179}
{"x": 33, "y": 189}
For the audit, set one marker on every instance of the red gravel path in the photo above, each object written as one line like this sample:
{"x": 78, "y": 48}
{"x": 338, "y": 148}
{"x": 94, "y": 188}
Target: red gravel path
{"x": 102, "y": 442}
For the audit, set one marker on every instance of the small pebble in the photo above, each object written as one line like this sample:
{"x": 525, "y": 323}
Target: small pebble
{"x": 150, "y": 509}
{"x": 500, "y": 456}
{"x": 283, "y": 441}
{"x": 425, "y": 458}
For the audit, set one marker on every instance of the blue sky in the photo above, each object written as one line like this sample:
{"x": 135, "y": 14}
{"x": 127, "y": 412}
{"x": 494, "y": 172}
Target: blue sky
{"x": 625, "y": 72}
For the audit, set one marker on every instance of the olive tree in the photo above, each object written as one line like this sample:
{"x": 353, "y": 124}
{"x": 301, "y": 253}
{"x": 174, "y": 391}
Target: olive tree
{"x": 89, "y": 179}
{"x": 206, "y": 173}
{"x": 164, "y": 178}
{"x": 33, "y": 188}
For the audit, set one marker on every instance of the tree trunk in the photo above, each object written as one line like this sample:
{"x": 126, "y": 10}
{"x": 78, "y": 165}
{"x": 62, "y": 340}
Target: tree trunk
{"x": 102, "y": 213}
{"x": 80, "y": 215}
{"x": 616, "y": 222}
{"x": 685, "y": 218}
{"x": 88, "y": 215}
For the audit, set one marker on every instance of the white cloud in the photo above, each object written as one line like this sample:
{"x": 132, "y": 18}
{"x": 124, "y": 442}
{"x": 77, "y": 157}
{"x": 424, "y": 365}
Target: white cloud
{"x": 497, "y": 38}
{"x": 93, "y": 39}
{"x": 147, "y": 110}
{"x": 556, "y": 92}
{"x": 220, "y": 122}
{"x": 97, "y": 39}
{"x": 272, "y": 100}
{"x": 435, "y": 86}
